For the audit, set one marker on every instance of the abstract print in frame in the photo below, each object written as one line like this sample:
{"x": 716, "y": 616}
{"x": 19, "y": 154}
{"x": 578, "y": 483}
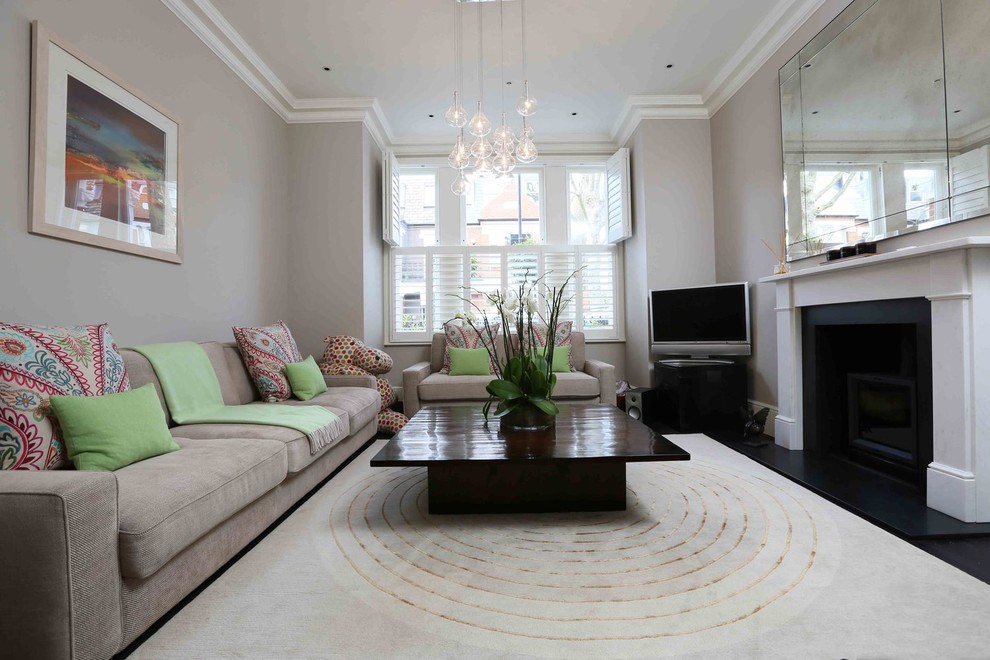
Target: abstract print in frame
{"x": 104, "y": 162}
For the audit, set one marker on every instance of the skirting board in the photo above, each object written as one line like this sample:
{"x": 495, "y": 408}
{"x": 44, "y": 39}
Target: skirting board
{"x": 771, "y": 418}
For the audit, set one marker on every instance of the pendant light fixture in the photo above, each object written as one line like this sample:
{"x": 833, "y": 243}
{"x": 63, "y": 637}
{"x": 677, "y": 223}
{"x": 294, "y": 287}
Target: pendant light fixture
{"x": 478, "y": 149}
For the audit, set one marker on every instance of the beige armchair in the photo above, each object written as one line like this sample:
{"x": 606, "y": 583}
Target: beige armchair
{"x": 423, "y": 384}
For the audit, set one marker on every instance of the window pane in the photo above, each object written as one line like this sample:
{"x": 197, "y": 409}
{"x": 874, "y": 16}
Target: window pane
{"x": 921, "y": 191}
{"x": 409, "y": 271}
{"x": 417, "y": 209}
{"x": 504, "y": 211}
{"x": 586, "y": 207}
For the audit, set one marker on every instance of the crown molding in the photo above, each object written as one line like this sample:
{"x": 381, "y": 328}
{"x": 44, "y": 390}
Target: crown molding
{"x": 558, "y": 145}
{"x": 779, "y": 26}
{"x": 209, "y": 24}
{"x": 638, "y": 108}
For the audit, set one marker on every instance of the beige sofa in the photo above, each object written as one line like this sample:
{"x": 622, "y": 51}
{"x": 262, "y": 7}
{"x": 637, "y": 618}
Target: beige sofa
{"x": 423, "y": 384}
{"x": 90, "y": 560}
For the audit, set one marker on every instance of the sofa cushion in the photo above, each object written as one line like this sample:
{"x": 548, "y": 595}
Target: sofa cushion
{"x": 266, "y": 351}
{"x": 464, "y": 336}
{"x": 360, "y": 403}
{"x": 37, "y": 362}
{"x": 296, "y": 443}
{"x": 167, "y": 502}
{"x": 441, "y": 387}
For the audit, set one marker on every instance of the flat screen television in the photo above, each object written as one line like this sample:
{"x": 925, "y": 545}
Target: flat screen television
{"x": 701, "y": 321}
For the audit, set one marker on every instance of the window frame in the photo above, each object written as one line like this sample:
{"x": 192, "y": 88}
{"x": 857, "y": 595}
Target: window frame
{"x": 550, "y": 227}
{"x": 597, "y": 167}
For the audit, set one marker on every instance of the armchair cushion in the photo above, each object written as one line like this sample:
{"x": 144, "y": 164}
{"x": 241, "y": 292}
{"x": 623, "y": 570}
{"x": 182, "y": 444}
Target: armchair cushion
{"x": 464, "y": 336}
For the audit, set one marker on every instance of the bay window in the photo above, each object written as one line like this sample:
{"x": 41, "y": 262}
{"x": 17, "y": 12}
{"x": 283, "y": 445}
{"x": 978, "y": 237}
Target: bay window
{"x": 447, "y": 251}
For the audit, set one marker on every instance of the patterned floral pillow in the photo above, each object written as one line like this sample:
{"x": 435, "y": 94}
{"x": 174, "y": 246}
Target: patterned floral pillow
{"x": 265, "y": 352}
{"x": 37, "y": 362}
{"x": 561, "y": 338}
{"x": 464, "y": 336}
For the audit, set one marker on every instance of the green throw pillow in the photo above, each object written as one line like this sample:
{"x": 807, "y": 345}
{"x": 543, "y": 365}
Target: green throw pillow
{"x": 305, "y": 379}
{"x": 469, "y": 362}
{"x": 561, "y": 358}
{"x": 114, "y": 430}
{"x": 561, "y": 361}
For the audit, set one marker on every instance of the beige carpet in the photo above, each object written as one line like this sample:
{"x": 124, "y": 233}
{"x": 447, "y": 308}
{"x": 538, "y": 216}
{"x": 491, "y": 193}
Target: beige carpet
{"x": 716, "y": 557}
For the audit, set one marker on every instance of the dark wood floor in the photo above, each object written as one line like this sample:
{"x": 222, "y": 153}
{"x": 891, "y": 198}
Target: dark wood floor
{"x": 891, "y": 505}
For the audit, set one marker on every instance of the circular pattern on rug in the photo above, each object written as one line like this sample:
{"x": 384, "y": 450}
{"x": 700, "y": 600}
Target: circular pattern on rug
{"x": 699, "y": 548}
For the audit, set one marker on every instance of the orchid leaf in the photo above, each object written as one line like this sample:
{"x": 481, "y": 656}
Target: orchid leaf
{"x": 505, "y": 390}
{"x": 546, "y": 405}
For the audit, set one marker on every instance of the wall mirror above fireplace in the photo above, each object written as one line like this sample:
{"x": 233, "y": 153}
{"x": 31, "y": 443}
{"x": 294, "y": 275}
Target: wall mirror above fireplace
{"x": 885, "y": 119}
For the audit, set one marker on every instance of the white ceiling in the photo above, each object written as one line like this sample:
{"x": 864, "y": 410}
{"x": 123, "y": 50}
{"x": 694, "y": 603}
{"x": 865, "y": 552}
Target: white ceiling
{"x": 393, "y": 60}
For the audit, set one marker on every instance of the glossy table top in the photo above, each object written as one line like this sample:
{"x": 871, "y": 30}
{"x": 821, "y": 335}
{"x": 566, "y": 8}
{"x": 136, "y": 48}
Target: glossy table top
{"x": 458, "y": 434}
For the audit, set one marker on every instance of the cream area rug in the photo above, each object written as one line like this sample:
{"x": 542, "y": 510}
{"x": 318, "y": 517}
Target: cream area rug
{"x": 717, "y": 557}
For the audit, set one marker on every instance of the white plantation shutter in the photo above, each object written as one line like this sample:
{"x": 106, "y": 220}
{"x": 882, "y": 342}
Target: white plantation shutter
{"x": 598, "y": 288}
{"x": 618, "y": 206}
{"x": 391, "y": 227}
{"x": 448, "y": 284}
{"x": 409, "y": 299}
{"x": 970, "y": 176}
{"x": 485, "y": 275}
{"x": 556, "y": 267}
{"x": 520, "y": 266}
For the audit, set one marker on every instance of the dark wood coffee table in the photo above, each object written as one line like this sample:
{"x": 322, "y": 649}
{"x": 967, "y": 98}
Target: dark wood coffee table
{"x": 473, "y": 468}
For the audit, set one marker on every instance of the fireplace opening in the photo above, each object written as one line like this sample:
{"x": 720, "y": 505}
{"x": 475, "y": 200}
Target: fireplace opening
{"x": 867, "y": 385}
{"x": 883, "y": 422}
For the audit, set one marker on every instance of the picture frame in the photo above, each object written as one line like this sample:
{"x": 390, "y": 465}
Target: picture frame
{"x": 104, "y": 165}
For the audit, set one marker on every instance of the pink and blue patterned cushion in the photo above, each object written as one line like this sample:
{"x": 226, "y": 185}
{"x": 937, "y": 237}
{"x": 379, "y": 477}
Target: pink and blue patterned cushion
{"x": 265, "y": 352}
{"x": 464, "y": 336}
{"x": 37, "y": 362}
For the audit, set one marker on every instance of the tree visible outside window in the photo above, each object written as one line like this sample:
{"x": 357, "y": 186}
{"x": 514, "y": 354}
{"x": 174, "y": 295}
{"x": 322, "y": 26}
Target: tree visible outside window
{"x": 586, "y": 207}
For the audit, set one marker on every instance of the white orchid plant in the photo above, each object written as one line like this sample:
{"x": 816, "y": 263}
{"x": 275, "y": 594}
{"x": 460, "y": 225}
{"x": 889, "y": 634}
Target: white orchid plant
{"x": 525, "y": 377}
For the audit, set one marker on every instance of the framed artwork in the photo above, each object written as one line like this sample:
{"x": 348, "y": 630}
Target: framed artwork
{"x": 104, "y": 160}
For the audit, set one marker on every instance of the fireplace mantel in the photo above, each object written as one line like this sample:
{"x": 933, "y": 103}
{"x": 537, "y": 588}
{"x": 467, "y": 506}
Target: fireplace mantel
{"x": 955, "y": 277}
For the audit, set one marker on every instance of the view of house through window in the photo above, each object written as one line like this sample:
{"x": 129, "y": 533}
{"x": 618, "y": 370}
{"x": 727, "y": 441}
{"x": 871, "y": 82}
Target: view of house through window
{"x": 503, "y": 211}
{"x": 418, "y": 208}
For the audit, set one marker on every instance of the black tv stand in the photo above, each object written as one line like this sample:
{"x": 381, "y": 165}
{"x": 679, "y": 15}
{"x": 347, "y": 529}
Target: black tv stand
{"x": 697, "y": 395}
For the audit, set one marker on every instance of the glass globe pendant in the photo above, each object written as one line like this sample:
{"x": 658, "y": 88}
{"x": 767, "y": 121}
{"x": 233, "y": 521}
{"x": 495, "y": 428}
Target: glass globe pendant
{"x": 504, "y": 163}
{"x": 456, "y": 115}
{"x": 460, "y": 184}
{"x": 527, "y": 131}
{"x": 526, "y": 106}
{"x": 480, "y": 125}
{"x": 460, "y": 156}
{"x": 504, "y": 138}
{"x": 482, "y": 167}
{"x": 482, "y": 148}
{"x": 526, "y": 151}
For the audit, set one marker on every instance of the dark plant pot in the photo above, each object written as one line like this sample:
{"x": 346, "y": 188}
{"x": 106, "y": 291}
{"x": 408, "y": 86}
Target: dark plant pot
{"x": 526, "y": 417}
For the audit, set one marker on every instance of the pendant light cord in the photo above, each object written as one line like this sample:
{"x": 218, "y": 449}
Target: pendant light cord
{"x": 501, "y": 54}
{"x": 481, "y": 51}
{"x": 522, "y": 13}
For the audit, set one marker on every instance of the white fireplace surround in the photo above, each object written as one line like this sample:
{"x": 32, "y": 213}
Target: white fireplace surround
{"x": 955, "y": 277}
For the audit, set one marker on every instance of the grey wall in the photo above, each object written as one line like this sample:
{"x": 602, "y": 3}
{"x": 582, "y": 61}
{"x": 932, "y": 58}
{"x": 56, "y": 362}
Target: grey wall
{"x": 673, "y": 224}
{"x": 233, "y": 161}
{"x": 335, "y": 243}
{"x": 745, "y": 135}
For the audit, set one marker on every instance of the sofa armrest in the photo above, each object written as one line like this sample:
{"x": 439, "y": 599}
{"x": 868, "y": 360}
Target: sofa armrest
{"x": 605, "y": 373}
{"x": 368, "y": 382}
{"x": 411, "y": 378}
{"x": 58, "y": 564}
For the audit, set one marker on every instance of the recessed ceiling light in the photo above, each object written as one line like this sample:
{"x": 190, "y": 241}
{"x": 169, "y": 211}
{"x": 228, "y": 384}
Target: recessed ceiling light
{"x": 432, "y": 116}
{"x": 670, "y": 66}
{"x": 573, "y": 114}
{"x": 814, "y": 112}
{"x": 956, "y": 112}
{"x": 508, "y": 82}
{"x": 328, "y": 68}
